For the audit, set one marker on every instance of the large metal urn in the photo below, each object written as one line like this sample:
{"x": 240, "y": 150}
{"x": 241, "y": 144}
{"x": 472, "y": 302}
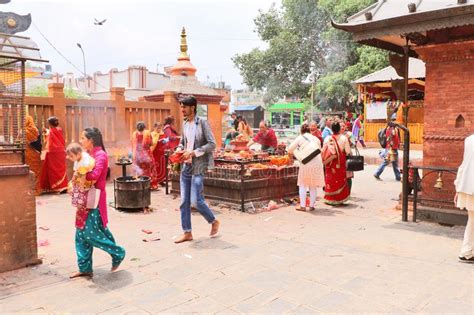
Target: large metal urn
{"x": 132, "y": 192}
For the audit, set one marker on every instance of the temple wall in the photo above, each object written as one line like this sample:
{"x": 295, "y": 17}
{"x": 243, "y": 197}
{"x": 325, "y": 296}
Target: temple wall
{"x": 18, "y": 244}
{"x": 449, "y": 105}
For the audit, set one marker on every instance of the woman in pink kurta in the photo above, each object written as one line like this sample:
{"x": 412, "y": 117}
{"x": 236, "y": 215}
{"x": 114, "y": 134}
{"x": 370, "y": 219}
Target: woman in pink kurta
{"x": 311, "y": 174}
{"x": 95, "y": 232}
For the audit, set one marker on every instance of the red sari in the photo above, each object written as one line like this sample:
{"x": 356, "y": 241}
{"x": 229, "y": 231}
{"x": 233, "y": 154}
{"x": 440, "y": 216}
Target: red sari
{"x": 336, "y": 190}
{"x": 172, "y": 136}
{"x": 158, "y": 151}
{"x": 53, "y": 173}
{"x": 143, "y": 158}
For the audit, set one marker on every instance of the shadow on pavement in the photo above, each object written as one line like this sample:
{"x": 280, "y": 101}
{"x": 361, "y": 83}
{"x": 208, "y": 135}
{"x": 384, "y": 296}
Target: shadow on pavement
{"x": 107, "y": 280}
{"x": 455, "y": 232}
{"x": 211, "y": 243}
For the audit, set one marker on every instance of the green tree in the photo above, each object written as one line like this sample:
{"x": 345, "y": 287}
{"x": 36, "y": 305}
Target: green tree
{"x": 38, "y": 91}
{"x": 69, "y": 92}
{"x": 294, "y": 50}
{"x": 302, "y": 47}
{"x": 347, "y": 60}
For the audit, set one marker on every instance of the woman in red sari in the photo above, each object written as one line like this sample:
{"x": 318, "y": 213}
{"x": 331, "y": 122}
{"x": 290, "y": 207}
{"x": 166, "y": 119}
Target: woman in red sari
{"x": 142, "y": 156}
{"x": 335, "y": 149}
{"x": 53, "y": 173}
{"x": 170, "y": 133}
{"x": 158, "y": 150}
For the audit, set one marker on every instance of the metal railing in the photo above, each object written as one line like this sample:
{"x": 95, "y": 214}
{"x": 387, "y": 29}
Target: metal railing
{"x": 418, "y": 185}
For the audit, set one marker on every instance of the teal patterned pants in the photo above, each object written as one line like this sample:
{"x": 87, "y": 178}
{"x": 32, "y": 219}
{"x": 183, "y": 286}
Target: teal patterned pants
{"x": 95, "y": 235}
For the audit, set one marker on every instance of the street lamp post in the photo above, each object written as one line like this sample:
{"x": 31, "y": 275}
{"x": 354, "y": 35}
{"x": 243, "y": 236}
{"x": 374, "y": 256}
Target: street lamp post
{"x": 84, "y": 63}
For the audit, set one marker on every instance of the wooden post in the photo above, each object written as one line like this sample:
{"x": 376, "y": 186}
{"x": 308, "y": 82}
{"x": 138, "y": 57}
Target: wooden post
{"x": 117, "y": 96}
{"x": 56, "y": 92}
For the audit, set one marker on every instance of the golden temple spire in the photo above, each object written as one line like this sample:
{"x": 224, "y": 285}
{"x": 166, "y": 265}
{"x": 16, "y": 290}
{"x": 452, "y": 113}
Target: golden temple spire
{"x": 184, "y": 45}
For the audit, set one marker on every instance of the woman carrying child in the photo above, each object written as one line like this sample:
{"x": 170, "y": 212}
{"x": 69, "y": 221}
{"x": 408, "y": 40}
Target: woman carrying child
{"x": 95, "y": 232}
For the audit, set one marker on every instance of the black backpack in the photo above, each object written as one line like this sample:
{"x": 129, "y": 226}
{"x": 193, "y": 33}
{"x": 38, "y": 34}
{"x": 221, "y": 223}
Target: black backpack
{"x": 382, "y": 136}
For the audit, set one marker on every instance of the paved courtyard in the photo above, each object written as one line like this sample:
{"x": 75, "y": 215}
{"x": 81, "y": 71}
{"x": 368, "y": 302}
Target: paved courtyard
{"x": 358, "y": 258}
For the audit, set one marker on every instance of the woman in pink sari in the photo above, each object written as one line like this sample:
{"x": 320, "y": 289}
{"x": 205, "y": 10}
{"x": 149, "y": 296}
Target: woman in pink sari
{"x": 335, "y": 149}
{"x": 142, "y": 156}
{"x": 170, "y": 133}
{"x": 53, "y": 173}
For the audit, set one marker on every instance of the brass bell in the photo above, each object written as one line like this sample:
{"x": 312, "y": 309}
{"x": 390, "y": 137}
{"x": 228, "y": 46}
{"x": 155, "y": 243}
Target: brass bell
{"x": 439, "y": 182}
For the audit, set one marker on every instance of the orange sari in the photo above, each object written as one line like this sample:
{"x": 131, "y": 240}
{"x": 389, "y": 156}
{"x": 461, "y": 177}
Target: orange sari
{"x": 32, "y": 155}
{"x": 53, "y": 174}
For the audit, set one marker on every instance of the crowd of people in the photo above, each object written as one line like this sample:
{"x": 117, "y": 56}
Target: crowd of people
{"x": 322, "y": 166}
{"x": 327, "y": 169}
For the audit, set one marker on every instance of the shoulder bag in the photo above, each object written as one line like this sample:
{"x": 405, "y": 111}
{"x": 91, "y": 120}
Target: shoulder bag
{"x": 305, "y": 153}
{"x": 355, "y": 163}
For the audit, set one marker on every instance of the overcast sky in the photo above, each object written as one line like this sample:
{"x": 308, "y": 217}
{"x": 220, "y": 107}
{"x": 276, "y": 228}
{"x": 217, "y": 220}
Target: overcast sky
{"x": 144, "y": 32}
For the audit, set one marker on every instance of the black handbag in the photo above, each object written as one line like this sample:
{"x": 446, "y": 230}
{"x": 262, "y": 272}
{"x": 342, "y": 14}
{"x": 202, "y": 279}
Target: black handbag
{"x": 355, "y": 163}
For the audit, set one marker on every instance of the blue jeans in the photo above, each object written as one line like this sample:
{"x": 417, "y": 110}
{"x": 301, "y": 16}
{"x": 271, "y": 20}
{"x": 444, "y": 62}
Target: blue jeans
{"x": 385, "y": 162}
{"x": 192, "y": 187}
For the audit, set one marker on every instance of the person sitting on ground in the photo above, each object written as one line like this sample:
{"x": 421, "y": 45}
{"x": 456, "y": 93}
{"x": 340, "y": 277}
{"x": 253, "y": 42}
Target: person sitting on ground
{"x": 266, "y": 137}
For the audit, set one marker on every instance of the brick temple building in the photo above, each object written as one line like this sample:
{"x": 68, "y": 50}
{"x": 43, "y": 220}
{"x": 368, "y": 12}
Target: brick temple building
{"x": 441, "y": 33}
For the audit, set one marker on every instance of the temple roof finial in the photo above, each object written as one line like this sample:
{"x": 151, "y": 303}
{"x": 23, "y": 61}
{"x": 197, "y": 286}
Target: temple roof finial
{"x": 184, "y": 45}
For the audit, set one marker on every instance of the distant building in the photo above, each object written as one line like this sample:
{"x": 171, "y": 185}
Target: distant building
{"x": 247, "y": 97}
{"x": 138, "y": 81}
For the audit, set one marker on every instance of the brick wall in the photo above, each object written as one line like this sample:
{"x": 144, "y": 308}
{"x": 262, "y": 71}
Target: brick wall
{"x": 449, "y": 93}
{"x": 18, "y": 244}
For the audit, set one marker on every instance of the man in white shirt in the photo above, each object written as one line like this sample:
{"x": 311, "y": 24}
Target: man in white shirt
{"x": 198, "y": 143}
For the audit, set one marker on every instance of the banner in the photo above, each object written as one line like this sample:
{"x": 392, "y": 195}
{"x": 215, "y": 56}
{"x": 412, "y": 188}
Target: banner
{"x": 377, "y": 110}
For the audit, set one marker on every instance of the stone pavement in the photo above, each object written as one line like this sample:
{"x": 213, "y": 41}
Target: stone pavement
{"x": 352, "y": 259}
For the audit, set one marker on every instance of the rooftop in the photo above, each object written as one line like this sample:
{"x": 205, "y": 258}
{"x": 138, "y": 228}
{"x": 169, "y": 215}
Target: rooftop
{"x": 416, "y": 71}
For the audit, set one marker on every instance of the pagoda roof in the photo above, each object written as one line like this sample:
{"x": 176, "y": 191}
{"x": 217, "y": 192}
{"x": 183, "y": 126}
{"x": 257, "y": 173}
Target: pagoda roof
{"x": 382, "y": 23}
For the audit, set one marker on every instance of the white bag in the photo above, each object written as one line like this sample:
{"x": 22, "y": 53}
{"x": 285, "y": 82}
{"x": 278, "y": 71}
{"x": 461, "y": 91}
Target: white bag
{"x": 93, "y": 196}
{"x": 307, "y": 151}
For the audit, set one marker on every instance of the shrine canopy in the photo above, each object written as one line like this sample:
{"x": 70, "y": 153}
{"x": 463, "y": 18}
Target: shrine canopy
{"x": 387, "y": 24}
{"x": 19, "y": 48}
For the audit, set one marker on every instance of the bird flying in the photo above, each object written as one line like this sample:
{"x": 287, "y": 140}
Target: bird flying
{"x": 97, "y": 22}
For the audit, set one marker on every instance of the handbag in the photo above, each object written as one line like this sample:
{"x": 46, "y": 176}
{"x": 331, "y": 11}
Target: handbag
{"x": 93, "y": 196}
{"x": 305, "y": 153}
{"x": 355, "y": 163}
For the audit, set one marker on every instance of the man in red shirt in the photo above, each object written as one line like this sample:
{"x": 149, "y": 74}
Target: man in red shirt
{"x": 391, "y": 152}
{"x": 266, "y": 138}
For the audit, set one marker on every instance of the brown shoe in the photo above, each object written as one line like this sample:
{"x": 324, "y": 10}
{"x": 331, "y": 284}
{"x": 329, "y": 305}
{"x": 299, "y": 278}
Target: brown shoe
{"x": 311, "y": 209}
{"x": 215, "y": 228}
{"x": 300, "y": 209}
{"x": 187, "y": 237}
